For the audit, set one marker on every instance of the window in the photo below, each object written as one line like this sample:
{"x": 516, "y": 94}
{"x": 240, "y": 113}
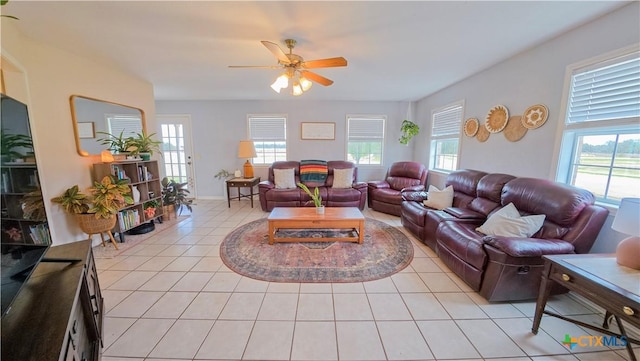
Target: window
{"x": 600, "y": 146}
{"x": 365, "y": 137}
{"x": 129, "y": 125}
{"x": 445, "y": 137}
{"x": 269, "y": 135}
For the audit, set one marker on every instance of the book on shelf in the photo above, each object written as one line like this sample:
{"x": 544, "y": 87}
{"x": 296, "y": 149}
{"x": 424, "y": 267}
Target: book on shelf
{"x": 40, "y": 234}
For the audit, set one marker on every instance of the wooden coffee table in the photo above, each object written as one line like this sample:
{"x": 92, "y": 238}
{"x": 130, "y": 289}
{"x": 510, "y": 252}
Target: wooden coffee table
{"x": 306, "y": 218}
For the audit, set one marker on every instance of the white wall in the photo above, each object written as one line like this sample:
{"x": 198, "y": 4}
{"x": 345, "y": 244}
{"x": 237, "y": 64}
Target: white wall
{"x": 52, "y": 76}
{"x": 218, "y": 126}
{"x": 534, "y": 76}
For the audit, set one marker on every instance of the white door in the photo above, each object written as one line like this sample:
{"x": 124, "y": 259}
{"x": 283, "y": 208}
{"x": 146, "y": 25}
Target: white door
{"x": 175, "y": 131}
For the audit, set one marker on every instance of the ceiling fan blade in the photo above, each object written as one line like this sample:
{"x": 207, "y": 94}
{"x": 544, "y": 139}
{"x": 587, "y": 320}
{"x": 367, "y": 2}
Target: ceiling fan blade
{"x": 317, "y": 78}
{"x": 256, "y": 66}
{"x": 325, "y": 63}
{"x": 277, "y": 51}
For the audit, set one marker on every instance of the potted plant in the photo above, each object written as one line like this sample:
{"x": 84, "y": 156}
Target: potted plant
{"x": 96, "y": 213}
{"x": 9, "y": 143}
{"x": 143, "y": 145}
{"x": 176, "y": 195}
{"x": 116, "y": 144}
{"x": 150, "y": 208}
{"x": 33, "y": 206}
{"x": 409, "y": 129}
{"x": 316, "y": 198}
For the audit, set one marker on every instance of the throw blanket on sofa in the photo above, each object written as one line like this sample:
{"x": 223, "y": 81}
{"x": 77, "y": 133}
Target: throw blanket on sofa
{"x": 313, "y": 170}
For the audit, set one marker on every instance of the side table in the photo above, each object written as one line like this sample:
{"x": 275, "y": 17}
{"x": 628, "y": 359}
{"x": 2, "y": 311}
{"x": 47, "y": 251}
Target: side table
{"x": 242, "y": 183}
{"x": 598, "y": 278}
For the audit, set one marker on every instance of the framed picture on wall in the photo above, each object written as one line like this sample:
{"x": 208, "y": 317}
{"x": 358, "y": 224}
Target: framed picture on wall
{"x": 318, "y": 131}
{"x": 86, "y": 130}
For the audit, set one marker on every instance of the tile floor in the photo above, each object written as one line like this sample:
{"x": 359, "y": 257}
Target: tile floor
{"x": 170, "y": 297}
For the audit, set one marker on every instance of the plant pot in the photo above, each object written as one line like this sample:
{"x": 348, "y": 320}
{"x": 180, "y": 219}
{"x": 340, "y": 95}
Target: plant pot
{"x": 168, "y": 212}
{"x": 145, "y": 156}
{"x": 120, "y": 157}
{"x": 89, "y": 224}
{"x": 320, "y": 210}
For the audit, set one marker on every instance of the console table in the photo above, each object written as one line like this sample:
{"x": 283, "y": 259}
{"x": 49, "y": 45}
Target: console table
{"x": 598, "y": 278}
{"x": 241, "y": 183}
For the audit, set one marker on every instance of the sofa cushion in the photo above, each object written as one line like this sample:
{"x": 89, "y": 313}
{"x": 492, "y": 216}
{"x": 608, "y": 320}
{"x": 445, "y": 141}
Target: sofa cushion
{"x": 284, "y": 178}
{"x": 529, "y": 247}
{"x": 462, "y": 239}
{"x": 388, "y": 195}
{"x": 343, "y": 178}
{"x": 507, "y": 222}
{"x": 439, "y": 199}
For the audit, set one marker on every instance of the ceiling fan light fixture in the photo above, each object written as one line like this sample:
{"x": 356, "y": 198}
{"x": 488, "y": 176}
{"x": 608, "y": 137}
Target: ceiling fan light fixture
{"x": 296, "y": 89}
{"x": 305, "y": 83}
{"x": 281, "y": 82}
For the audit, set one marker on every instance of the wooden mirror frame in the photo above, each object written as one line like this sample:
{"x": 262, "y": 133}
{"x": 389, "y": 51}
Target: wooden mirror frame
{"x": 74, "y": 119}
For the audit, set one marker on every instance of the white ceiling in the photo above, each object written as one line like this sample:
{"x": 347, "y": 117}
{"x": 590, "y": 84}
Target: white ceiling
{"x": 396, "y": 50}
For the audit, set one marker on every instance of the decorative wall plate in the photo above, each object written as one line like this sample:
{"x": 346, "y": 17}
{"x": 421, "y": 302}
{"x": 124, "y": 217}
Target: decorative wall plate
{"x": 471, "y": 126}
{"x": 483, "y": 134}
{"x": 535, "y": 116}
{"x": 514, "y": 131}
{"x": 497, "y": 119}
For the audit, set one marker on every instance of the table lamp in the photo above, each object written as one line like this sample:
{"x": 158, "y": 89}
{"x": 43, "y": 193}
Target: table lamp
{"x": 627, "y": 221}
{"x": 247, "y": 150}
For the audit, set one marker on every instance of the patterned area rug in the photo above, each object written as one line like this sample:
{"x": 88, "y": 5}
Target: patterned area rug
{"x": 385, "y": 251}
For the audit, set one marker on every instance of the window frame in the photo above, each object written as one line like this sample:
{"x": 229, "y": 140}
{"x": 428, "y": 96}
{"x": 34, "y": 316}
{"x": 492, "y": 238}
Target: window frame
{"x": 568, "y": 133}
{"x": 383, "y": 118}
{"x": 258, "y": 160}
{"x": 434, "y": 139}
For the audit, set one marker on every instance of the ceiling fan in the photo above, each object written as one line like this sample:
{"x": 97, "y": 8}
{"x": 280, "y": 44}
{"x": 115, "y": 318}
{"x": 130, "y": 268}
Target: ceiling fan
{"x": 295, "y": 68}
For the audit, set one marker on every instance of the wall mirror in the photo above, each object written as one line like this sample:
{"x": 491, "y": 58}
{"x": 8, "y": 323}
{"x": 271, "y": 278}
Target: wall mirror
{"x": 91, "y": 116}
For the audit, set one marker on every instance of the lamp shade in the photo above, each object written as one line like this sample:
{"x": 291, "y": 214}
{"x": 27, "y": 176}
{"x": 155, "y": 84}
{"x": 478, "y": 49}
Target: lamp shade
{"x": 246, "y": 149}
{"x": 627, "y": 218}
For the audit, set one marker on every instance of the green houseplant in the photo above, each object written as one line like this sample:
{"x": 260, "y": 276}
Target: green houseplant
{"x": 33, "y": 206}
{"x": 409, "y": 129}
{"x": 143, "y": 145}
{"x": 108, "y": 196}
{"x": 176, "y": 195}
{"x": 316, "y": 198}
{"x": 9, "y": 143}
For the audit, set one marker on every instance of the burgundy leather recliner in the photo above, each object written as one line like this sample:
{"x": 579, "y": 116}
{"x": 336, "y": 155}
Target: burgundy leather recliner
{"x": 386, "y": 195}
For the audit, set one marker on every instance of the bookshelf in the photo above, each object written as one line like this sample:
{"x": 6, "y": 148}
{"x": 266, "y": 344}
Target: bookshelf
{"x": 145, "y": 176}
{"x": 16, "y": 181}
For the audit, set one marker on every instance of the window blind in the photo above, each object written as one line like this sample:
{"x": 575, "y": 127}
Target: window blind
{"x": 365, "y": 128}
{"x": 605, "y": 93}
{"x": 267, "y": 128}
{"x": 128, "y": 125}
{"x": 447, "y": 121}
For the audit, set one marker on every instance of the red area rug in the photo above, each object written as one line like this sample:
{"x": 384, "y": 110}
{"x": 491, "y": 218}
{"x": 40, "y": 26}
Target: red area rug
{"x": 385, "y": 251}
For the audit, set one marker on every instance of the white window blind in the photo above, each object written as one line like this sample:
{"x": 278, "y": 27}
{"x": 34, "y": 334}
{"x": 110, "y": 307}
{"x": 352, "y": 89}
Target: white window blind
{"x": 447, "y": 121}
{"x": 365, "y": 128}
{"x": 267, "y": 128}
{"x": 127, "y": 124}
{"x": 606, "y": 92}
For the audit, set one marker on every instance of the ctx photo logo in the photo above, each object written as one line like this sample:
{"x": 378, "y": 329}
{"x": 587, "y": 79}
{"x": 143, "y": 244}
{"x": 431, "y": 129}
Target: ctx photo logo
{"x": 594, "y": 341}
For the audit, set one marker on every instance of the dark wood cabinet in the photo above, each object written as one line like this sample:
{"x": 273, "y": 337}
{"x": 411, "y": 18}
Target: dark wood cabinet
{"x": 58, "y": 313}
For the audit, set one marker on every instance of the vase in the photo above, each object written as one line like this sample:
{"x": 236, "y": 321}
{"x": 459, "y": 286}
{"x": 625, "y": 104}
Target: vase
{"x": 320, "y": 210}
{"x": 135, "y": 193}
{"x": 145, "y": 156}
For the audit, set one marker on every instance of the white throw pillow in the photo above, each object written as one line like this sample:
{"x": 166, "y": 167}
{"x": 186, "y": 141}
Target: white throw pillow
{"x": 284, "y": 178}
{"x": 439, "y": 199}
{"x": 507, "y": 222}
{"x": 342, "y": 178}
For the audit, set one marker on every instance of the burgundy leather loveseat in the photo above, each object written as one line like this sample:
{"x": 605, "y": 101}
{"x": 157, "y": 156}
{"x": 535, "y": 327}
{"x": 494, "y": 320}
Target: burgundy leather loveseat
{"x": 505, "y": 268}
{"x": 271, "y": 197}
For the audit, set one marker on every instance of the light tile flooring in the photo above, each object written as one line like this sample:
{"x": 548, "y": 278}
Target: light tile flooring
{"x": 170, "y": 297}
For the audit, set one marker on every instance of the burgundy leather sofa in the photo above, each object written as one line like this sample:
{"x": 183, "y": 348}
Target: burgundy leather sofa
{"x": 386, "y": 195}
{"x": 505, "y": 268}
{"x": 271, "y": 197}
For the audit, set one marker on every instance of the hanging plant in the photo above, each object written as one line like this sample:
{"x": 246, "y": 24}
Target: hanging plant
{"x": 409, "y": 129}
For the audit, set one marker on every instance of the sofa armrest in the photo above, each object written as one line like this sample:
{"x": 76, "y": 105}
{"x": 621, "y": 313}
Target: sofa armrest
{"x": 464, "y": 213}
{"x": 378, "y": 184}
{"x": 361, "y": 186}
{"x": 417, "y": 196}
{"x": 416, "y": 188}
{"x": 266, "y": 185}
{"x": 528, "y": 247}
